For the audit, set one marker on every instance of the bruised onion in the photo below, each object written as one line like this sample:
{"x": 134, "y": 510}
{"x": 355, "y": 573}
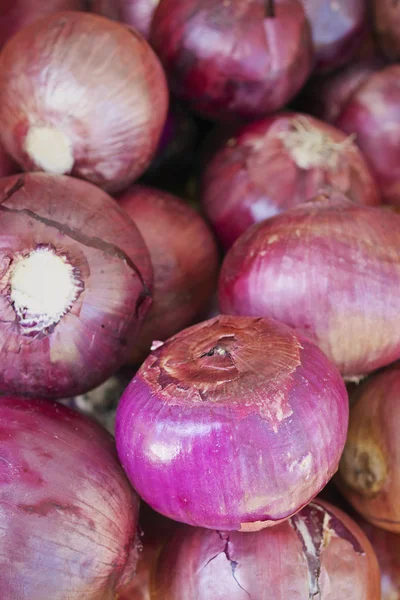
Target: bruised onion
{"x": 276, "y": 163}
{"x": 318, "y": 553}
{"x": 235, "y": 423}
{"x": 386, "y": 15}
{"x": 75, "y": 283}
{"x": 68, "y": 514}
{"x": 233, "y": 60}
{"x": 82, "y": 95}
{"x": 331, "y": 270}
{"x": 136, "y": 13}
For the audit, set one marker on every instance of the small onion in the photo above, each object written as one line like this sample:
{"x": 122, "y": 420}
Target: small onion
{"x": 319, "y": 553}
{"x": 74, "y": 285}
{"x": 68, "y": 514}
{"x": 100, "y": 114}
{"x": 386, "y": 15}
{"x": 235, "y": 424}
{"x": 274, "y": 164}
{"x": 136, "y": 13}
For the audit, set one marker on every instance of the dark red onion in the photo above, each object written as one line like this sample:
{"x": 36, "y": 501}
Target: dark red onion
{"x": 136, "y": 13}
{"x": 233, "y": 59}
{"x": 330, "y": 269}
{"x": 387, "y": 27}
{"x": 318, "y": 553}
{"x": 68, "y": 514}
{"x": 100, "y": 114}
{"x": 235, "y": 424}
{"x": 274, "y": 164}
{"x": 75, "y": 278}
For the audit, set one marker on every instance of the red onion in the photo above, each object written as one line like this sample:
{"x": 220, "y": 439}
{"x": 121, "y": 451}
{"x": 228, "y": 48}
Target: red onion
{"x": 331, "y": 270}
{"x": 137, "y": 13}
{"x": 75, "y": 277}
{"x": 68, "y": 514}
{"x": 274, "y": 164}
{"x": 233, "y": 59}
{"x": 235, "y": 424}
{"x": 100, "y": 114}
{"x": 387, "y": 26}
{"x": 318, "y": 553}
{"x": 184, "y": 258}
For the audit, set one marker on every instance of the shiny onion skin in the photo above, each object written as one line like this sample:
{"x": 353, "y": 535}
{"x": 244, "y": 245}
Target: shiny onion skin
{"x": 330, "y": 269}
{"x": 318, "y": 553}
{"x": 233, "y": 60}
{"x": 136, "y": 13}
{"x": 184, "y": 258}
{"x": 386, "y": 14}
{"x": 82, "y": 95}
{"x": 235, "y": 424}
{"x": 68, "y": 514}
{"x": 75, "y": 285}
{"x": 276, "y": 163}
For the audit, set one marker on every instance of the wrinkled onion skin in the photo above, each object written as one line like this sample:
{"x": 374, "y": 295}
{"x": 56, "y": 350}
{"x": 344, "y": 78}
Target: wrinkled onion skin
{"x": 253, "y": 176}
{"x": 199, "y": 564}
{"x": 93, "y": 79}
{"x": 201, "y": 436}
{"x": 68, "y": 513}
{"x": 82, "y": 221}
{"x": 387, "y": 27}
{"x": 228, "y": 60}
{"x": 331, "y": 270}
{"x": 136, "y": 13}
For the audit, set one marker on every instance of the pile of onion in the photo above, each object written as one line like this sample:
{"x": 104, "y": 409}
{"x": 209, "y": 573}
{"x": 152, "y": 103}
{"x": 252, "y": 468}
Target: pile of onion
{"x": 136, "y": 13}
{"x": 274, "y": 164}
{"x": 100, "y": 114}
{"x": 386, "y": 15}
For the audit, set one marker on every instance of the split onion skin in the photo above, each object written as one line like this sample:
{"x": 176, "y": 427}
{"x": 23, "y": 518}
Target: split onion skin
{"x": 320, "y": 552}
{"x": 330, "y": 269}
{"x": 105, "y": 102}
{"x": 234, "y": 423}
{"x": 136, "y": 13}
{"x": 386, "y": 15}
{"x": 68, "y": 514}
{"x": 276, "y": 163}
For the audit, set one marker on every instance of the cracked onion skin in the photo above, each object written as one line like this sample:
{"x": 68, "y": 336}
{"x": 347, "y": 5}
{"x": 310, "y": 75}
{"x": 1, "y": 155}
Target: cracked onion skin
{"x": 319, "y": 553}
{"x": 328, "y": 268}
{"x": 68, "y": 513}
{"x": 91, "y": 240}
{"x": 233, "y": 424}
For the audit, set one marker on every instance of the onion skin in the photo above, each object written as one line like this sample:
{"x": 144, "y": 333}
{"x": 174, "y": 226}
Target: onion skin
{"x": 259, "y": 173}
{"x": 92, "y": 340}
{"x": 69, "y": 515}
{"x": 329, "y": 269}
{"x": 136, "y": 13}
{"x": 110, "y": 119}
{"x": 319, "y": 553}
{"x": 184, "y": 423}
{"x": 230, "y": 60}
{"x": 386, "y": 15}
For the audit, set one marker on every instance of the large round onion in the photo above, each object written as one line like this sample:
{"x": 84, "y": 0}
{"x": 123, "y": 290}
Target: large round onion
{"x": 387, "y": 26}
{"x": 276, "y": 163}
{"x": 235, "y": 424}
{"x": 319, "y": 553}
{"x": 98, "y": 116}
{"x": 68, "y": 514}
{"x": 137, "y": 13}
{"x": 75, "y": 277}
{"x": 233, "y": 59}
{"x": 331, "y": 270}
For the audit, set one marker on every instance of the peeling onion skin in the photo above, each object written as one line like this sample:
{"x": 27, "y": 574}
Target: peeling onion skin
{"x": 319, "y": 553}
{"x": 92, "y": 338}
{"x": 106, "y": 98}
{"x": 276, "y": 163}
{"x": 229, "y": 60}
{"x": 330, "y": 269}
{"x": 136, "y": 13}
{"x": 234, "y": 423}
{"x": 386, "y": 15}
{"x": 68, "y": 513}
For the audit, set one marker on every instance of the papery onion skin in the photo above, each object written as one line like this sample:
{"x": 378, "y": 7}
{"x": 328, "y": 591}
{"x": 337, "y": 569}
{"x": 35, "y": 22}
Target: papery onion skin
{"x": 100, "y": 114}
{"x": 319, "y": 553}
{"x": 74, "y": 220}
{"x": 232, "y": 60}
{"x": 328, "y": 268}
{"x": 235, "y": 422}
{"x": 276, "y": 163}
{"x": 68, "y": 513}
{"x": 386, "y": 14}
{"x": 136, "y": 13}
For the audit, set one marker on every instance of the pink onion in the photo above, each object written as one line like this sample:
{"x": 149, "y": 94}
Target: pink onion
{"x": 233, "y": 59}
{"x": 387, "y": 26}
{"x": 274, "y": 164}
{"x": 100, "y": 114}
{"x": 235, "y": 424}
{"x": 318, "y": 553}
{"x": 68, "y": 514}
{"x": 75, "y": 278}
{"x": 137, "y": 13}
